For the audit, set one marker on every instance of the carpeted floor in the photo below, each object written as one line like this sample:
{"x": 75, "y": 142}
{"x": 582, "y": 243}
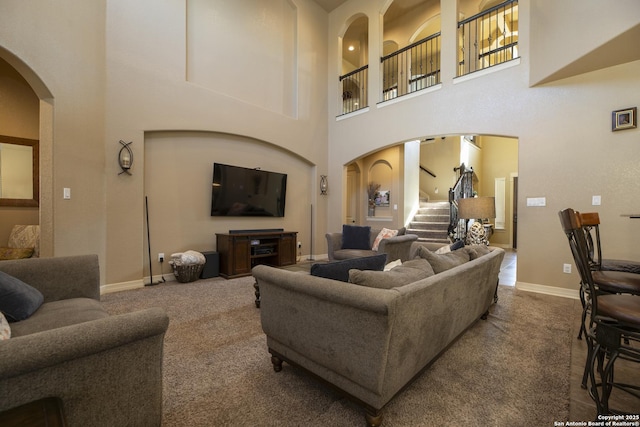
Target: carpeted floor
{"x": 512, "y": 369}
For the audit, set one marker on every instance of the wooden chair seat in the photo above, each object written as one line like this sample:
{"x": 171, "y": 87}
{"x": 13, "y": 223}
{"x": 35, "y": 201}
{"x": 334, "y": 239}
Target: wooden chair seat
{"x": 624, "y": 309}
{"x": 617, "y": 282}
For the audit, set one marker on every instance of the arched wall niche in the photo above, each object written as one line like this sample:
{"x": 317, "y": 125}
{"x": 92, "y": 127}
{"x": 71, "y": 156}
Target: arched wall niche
{"x": 185, "y": 222}
{"x": 46, "y": 107}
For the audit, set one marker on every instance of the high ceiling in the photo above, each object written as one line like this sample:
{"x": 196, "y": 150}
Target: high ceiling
{"x": 329, "y": 5}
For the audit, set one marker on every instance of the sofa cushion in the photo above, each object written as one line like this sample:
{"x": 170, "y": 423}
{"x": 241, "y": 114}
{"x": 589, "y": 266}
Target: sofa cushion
{"x": 339, "y": 270}
{"x": 15, "y": 253}
{"x": 385, "y": 233}
{"x": 17, "y": 299}
{"x": 356, "y": 237}
{"x": 57, "y": 314}
{"x": 409, "y": 272}
{"x": 353, "y": 253}
{"x": 443, "y": 262}
{"x": 449, "y": 248}
{"x": 476, "y": 251}
{"x": 5, "y": 329}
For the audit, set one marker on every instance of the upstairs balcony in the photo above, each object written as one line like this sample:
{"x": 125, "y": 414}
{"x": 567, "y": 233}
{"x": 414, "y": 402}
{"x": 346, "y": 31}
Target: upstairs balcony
{"x": 486, "y": 39}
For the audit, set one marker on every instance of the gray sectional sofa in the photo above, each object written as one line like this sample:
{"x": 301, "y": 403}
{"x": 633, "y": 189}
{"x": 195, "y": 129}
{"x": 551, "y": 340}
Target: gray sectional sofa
{"x": 106, "y": 370}
{"x": 368, "y": 341}
{"x": 397, "y": 247}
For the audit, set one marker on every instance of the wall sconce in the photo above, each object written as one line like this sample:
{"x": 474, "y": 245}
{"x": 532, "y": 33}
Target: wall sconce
{"x": 125, "y": 157}
{"x": 324, "y": 185}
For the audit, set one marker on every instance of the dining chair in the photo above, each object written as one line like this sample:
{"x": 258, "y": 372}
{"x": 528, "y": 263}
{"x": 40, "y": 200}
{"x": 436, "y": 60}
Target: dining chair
{"x": 614, "y": 323}
{"x": 608, "y": 280}
{"x": 591, "y": 226}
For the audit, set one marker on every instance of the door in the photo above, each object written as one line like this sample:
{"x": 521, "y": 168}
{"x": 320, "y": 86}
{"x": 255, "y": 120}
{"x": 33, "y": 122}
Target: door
{"x": 514, "y": 201}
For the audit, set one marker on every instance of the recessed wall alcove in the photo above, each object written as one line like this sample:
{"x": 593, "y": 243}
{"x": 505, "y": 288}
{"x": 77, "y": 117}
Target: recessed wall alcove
{"x": 178, "y": 171}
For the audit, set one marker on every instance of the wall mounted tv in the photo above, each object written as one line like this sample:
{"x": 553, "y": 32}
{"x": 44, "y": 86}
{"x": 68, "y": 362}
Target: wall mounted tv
{"x": 238, "y": 191}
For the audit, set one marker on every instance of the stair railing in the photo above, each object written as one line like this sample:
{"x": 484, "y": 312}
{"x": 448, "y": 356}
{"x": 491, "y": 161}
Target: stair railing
{"x": 463, "y": 188}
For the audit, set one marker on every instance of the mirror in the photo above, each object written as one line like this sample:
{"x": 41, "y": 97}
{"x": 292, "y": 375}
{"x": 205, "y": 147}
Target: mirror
{"x": 19, "y": 172}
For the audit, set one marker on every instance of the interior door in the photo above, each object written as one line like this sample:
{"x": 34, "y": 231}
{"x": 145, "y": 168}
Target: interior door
{"x": 514, "y": 200}
{"x": 352, "y": 197}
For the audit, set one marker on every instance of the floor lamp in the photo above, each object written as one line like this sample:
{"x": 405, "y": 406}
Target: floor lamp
{"x": 478, "y": 209}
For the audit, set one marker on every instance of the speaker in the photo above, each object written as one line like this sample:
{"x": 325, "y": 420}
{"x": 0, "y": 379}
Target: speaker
{"x": 211, "y": 266}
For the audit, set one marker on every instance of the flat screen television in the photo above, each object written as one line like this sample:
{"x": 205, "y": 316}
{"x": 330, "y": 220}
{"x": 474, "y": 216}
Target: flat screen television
{"x": 238, "y": 191}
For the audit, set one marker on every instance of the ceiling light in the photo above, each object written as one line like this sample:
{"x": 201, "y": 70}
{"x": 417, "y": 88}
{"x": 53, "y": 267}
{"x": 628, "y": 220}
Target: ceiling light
{"x": 351, "y": 48}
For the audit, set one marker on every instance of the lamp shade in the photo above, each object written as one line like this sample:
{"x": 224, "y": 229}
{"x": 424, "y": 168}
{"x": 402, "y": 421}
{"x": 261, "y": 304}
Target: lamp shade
{"x": 477, "y": 208}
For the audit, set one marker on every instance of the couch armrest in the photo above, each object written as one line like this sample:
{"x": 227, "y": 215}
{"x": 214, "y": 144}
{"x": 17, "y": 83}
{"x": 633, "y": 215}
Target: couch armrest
{"x": 334, "y": 243}
{"x": 397, "y": 247}
{"x": 107, "y": 371}
{"x": 58, "y": 278}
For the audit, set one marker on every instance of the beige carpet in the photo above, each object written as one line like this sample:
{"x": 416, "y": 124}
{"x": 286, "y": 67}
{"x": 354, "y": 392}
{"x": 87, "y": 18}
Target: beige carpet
{"x": 511, "y": 370}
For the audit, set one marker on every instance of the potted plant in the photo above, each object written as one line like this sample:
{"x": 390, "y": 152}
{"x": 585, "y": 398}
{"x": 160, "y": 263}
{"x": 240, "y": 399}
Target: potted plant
{"x": 372, "y": 192}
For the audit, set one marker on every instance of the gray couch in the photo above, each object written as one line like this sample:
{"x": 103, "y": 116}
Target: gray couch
{"x": 107, "y": 370}
{"x": 366, "y": 342}
{"x": 397, "y": 247}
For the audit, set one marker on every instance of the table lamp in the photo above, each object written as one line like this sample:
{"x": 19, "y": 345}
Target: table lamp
{"x": 478, "y": 209}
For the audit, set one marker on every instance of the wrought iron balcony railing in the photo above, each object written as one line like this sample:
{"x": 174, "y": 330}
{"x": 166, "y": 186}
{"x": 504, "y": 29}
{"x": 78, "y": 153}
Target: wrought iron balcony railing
{"x": 354, "y": 90}
{"x": 488, "y": 38}
{"x": 412, "y": 68}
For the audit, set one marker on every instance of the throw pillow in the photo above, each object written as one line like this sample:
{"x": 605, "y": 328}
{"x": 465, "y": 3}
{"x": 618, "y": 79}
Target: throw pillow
{"x": 17, "y": 299}
{"x": 476, "y": 251}
{"x": 15, "y": 253}
{"x": 392, "y": 264}
{"x": 443, "y": 262}
{"x": 449, "y": 248}
{"x": 409, "y": 272}
{"x": 5, "y": 329}
{"x": 339, "y": 270}
{"x": 385, "y": 233}
{"x": 356, "y": 237}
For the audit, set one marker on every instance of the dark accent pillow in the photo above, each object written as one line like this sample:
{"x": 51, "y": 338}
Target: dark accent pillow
{"x": 409, "y": 272}
{"x": 443, "y": 262}
{"x": 457, "y": 245}
{"x": 356, "y": 237}
{"x": 339, "y": 270}
{"x": 17, "y": 299}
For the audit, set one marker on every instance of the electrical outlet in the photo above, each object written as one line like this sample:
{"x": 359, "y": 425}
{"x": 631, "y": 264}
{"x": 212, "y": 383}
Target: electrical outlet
{"x": 299, "y": 245}
{"x": 161, "y": 257}
{"x": 566, "y": 268}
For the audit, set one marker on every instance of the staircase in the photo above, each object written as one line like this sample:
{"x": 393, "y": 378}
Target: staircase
{"x": 431, "y": 222}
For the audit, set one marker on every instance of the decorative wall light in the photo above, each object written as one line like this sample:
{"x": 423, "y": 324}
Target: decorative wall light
{"x": 125, "y": 157}
{"x": 324, "y": 185}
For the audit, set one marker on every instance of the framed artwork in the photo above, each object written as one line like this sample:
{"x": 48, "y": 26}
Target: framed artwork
{"x": 382, "y": 198}
{"x": 624, "y": 119}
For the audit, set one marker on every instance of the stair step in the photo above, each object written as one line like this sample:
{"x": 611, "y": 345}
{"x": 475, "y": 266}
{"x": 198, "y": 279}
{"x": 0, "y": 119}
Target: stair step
{"x": 420, "y": 217}
{"x": 435, "y": 226}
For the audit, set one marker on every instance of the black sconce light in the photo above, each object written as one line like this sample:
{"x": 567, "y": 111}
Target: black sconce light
{"x": 324, "y": 185}
{"x": 125, "y": 157}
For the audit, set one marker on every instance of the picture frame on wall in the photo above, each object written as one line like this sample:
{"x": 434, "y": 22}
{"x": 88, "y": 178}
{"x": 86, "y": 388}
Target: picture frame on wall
{"x": 382, "y": 198}
{"x": 626, "y": 118}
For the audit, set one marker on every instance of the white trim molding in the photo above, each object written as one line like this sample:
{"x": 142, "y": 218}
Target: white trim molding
{"x": 548, "y": 290}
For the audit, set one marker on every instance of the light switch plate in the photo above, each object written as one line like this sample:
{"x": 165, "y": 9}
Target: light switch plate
{"x": 66, "y": 193}
{"x": 596, "y": 200}
{"x": 536, "y": 201}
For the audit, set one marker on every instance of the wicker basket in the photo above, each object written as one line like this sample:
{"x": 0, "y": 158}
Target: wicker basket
{"x": 187, "y": 273}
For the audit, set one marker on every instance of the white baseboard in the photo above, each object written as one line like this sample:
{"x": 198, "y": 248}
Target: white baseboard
{"x": 548, "y": 290}
{"x": 134, "y": 284}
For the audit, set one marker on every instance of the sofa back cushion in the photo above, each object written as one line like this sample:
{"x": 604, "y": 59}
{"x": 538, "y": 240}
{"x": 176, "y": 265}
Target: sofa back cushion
{"x": 339, "y": 270}
{"x": 409, "y": 272}
{"x": 476, "y": 251}
{"x": 443, "y": 262}
{"x": 356, "y": 237}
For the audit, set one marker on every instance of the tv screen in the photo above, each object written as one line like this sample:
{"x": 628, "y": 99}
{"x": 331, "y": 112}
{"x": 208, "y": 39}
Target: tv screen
{"x": 238, "y": 191}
